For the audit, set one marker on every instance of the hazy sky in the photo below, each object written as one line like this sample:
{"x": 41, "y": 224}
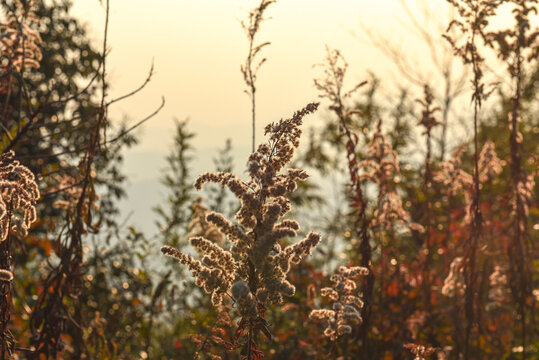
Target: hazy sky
{"x": 197, "y": 47}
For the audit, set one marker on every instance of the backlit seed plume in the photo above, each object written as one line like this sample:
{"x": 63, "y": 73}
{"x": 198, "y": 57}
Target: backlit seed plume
{"x": 254, "y": 269}
{"x": 19, "y": 43}
{"x": 211, "y": 278}
{"x": 18, "y": 196}
{"x": 452, "y": 176}
{"x": 382, "y": 168}
{"x": 455, "y": 180}
{"x": 346, "y": 303}
{"x": 489, "y": 165}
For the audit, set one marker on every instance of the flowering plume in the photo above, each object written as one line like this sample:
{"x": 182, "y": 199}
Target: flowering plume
{"x": 253, "y": 272}
{"x": 452, "y": 176}
{"x": 346, "y": 304}
{"x": 382, "y": 168}
{"x": 18, "y": 196}
{"x": 18, "y": 42}
{"x": 254, "y": 269}
{"x": 497, "y": 293}
{"x": 490, "y": 165}
{"x": 454, "y": 282}
{"x": 454, "y": 179}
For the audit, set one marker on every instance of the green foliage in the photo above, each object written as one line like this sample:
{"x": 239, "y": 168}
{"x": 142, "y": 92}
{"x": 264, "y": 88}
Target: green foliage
{"x": 174, "y": 218}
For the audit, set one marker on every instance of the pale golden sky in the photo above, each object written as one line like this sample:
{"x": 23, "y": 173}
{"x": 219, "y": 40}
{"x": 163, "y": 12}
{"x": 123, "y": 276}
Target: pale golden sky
{"x": 198, "y": 46}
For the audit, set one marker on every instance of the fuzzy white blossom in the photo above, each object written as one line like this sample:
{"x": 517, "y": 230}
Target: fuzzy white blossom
{"x": 255, "y": 267}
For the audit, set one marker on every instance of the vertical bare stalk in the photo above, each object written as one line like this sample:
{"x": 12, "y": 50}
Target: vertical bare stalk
{"x": 7, "y": 342}
{"x": 518, "y": 250}
{"x": 475, "y": 210}
{"x": 250, "y": 69}
{"x": 474, "y": 18}
{"x": 428, "y": 121}
{"x": 47, "y": 321}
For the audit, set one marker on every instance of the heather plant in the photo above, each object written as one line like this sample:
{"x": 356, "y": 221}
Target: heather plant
{"x": 381, "y": 167}
{"x": 377, "y": 165}
{"x": 253, "y": 271}
{"x": 389, "y": 219}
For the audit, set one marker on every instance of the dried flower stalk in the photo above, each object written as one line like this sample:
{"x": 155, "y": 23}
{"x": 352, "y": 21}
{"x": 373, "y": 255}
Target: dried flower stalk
{"x": 253, "y": 271}
{"x": 331, "y": 88}
{"x": 346, "y": 303}
{"x": 472, "y": 22}
{"x": 18, "y": 197}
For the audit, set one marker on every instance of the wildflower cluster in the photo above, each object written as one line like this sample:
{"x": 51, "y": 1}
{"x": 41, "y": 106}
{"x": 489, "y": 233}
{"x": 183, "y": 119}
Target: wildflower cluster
{"x": 18, "y": 196}
{"x": 346, "y": 304}
{"x": 254, "y": 270}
